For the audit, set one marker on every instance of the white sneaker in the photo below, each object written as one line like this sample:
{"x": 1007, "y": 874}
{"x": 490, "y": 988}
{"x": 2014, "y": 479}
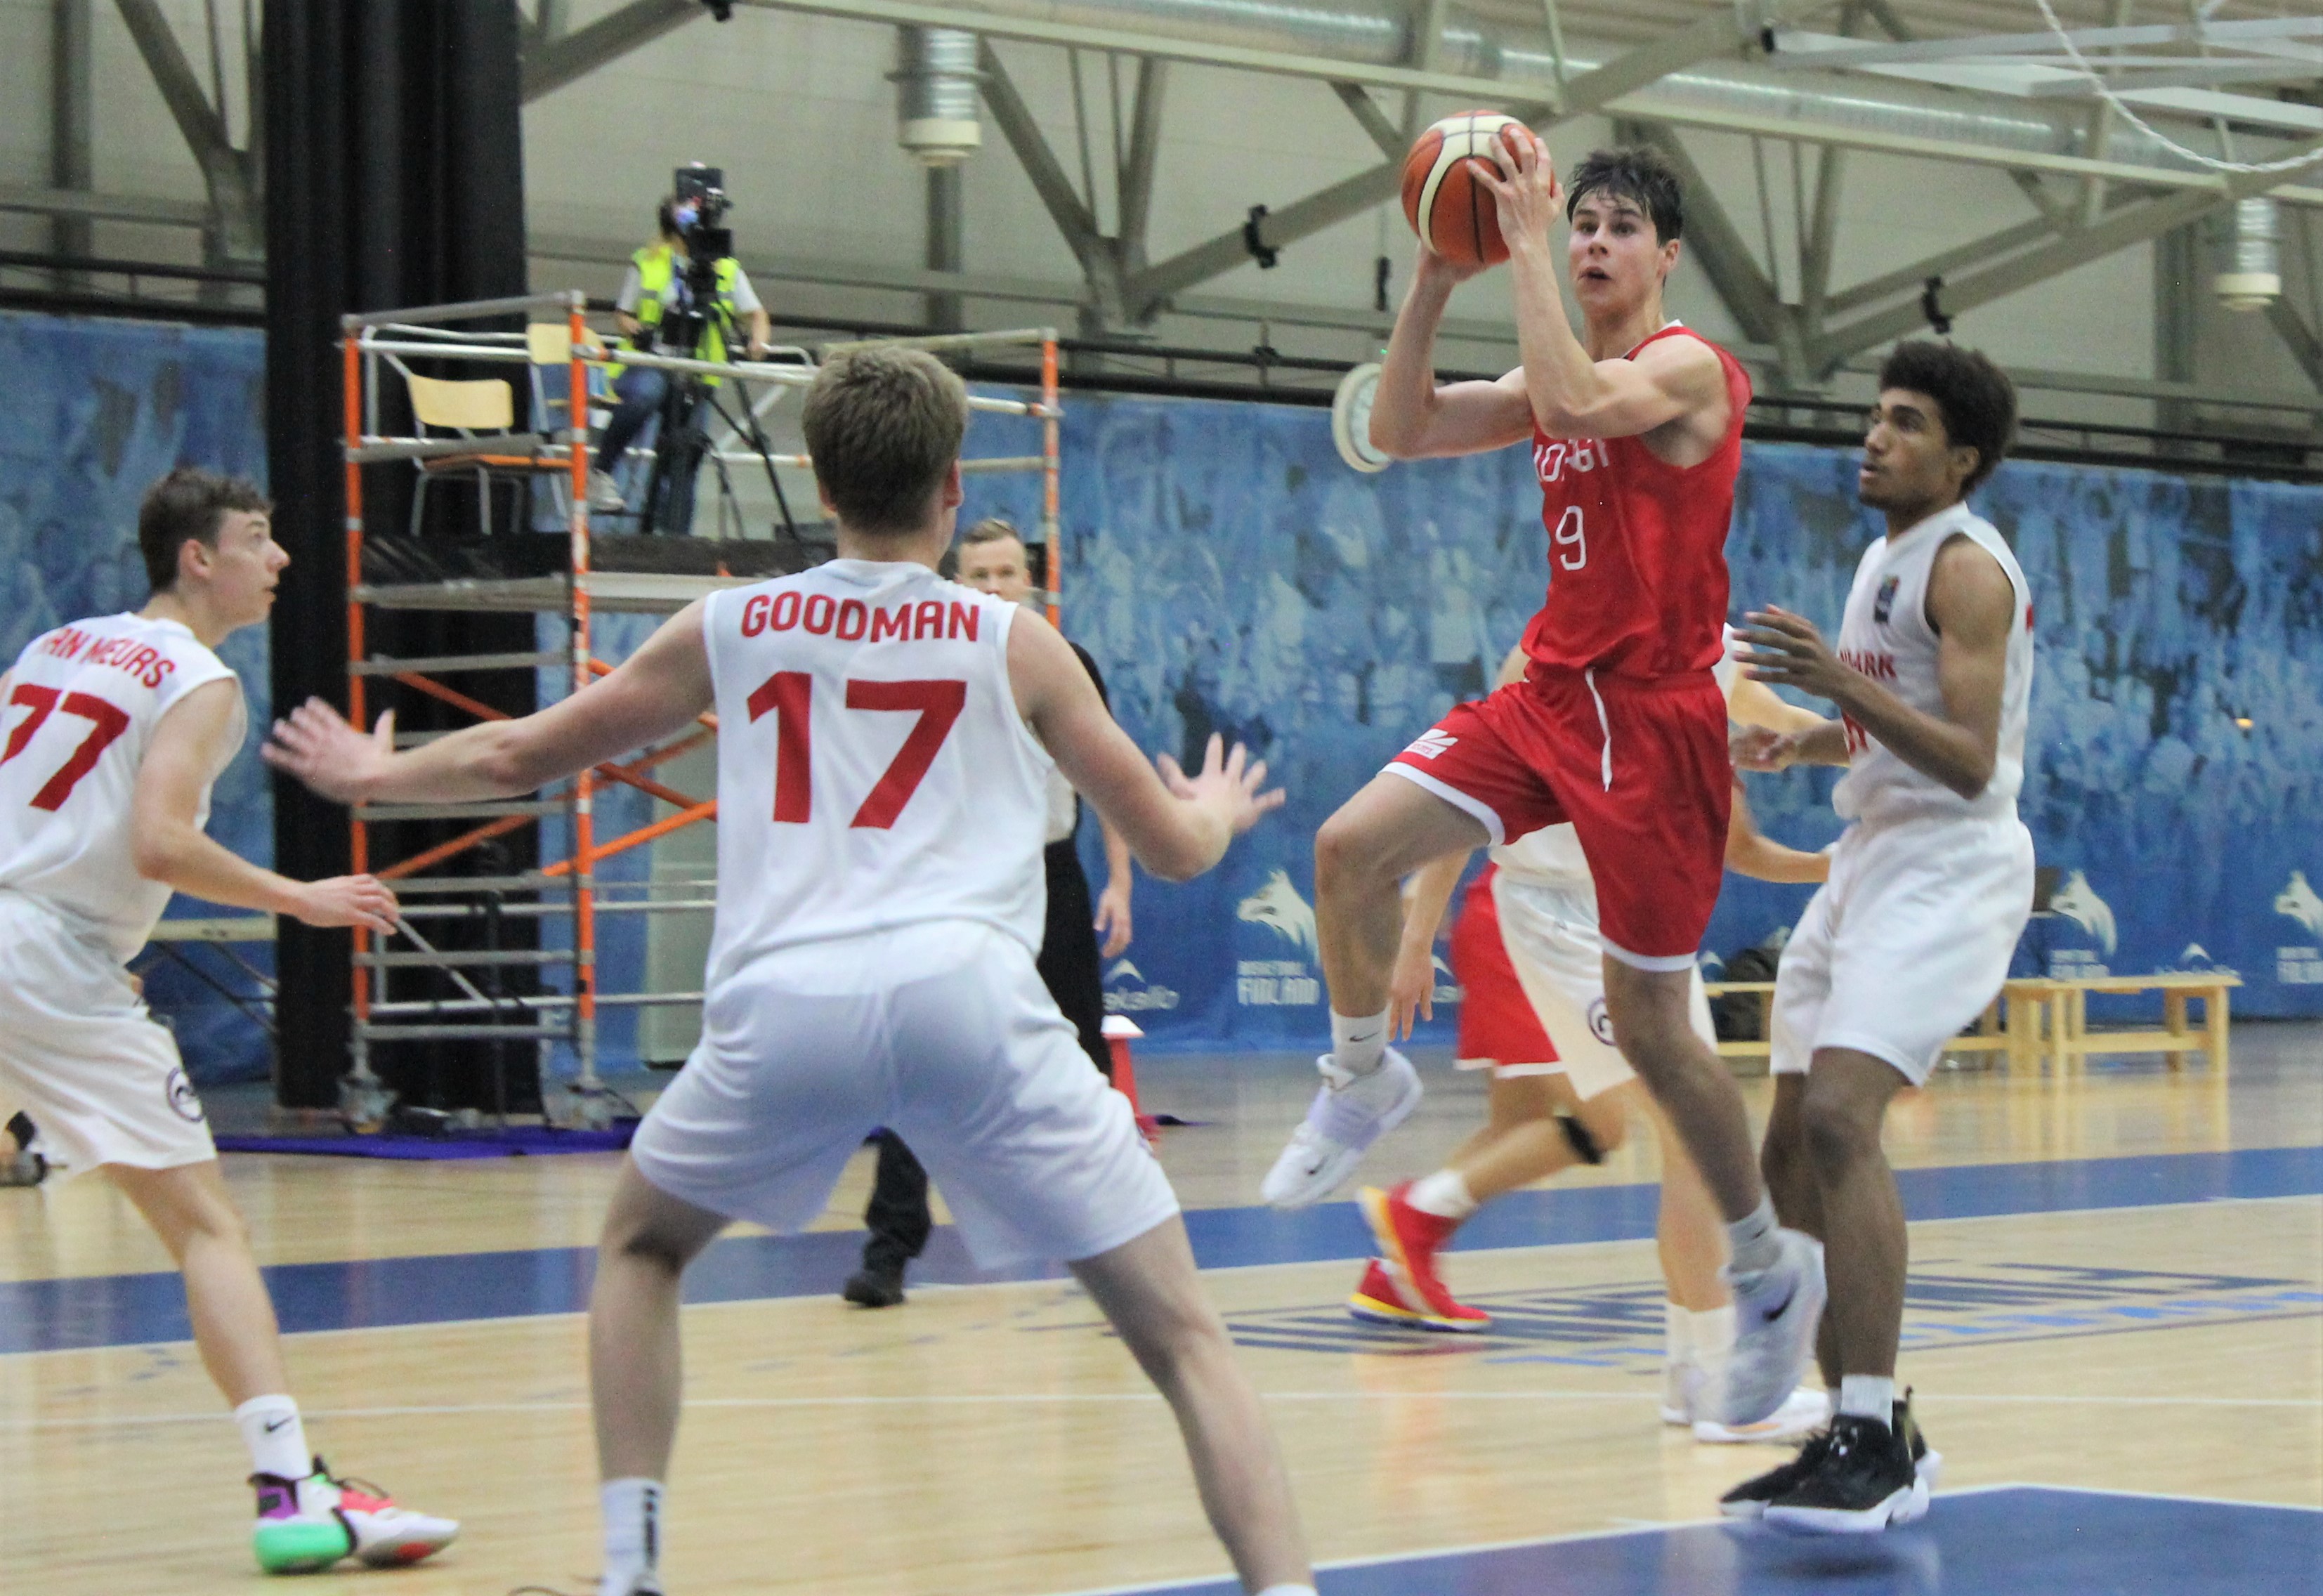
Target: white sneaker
{"x": 603, "y": 494}
{"x": 1805, "y": 1409}
{"x": 1350, "y": 1112}
{"x": 1683, "y": 1381}
{"x": 1775, "y": 1312}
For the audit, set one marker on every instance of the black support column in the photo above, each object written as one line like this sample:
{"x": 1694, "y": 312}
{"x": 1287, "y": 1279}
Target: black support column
{"x": 394, "y": 177}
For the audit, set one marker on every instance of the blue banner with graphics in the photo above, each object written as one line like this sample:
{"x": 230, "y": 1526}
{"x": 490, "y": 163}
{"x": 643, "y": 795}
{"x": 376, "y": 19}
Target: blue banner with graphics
{"x": 1229, "y": 573}
{"x": 97, "y": 410}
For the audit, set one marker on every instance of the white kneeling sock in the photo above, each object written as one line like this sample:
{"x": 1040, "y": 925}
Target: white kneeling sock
{"x": 277, "y": 1438}
{"x": 632, "y": 1511}
{"x": 1867, "y": 1396}
{"x": 1358, "y": 1044}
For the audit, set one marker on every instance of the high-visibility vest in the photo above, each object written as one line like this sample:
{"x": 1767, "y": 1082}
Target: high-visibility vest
{"x": 656, "y": 266}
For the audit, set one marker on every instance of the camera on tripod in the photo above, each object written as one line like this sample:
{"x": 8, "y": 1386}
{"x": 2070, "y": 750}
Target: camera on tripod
{"x": 699, "y": 204}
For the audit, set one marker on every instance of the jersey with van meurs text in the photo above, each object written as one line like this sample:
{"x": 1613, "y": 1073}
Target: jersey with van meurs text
{"x": 873, "y": 771}
{"x": 82, "y": 705}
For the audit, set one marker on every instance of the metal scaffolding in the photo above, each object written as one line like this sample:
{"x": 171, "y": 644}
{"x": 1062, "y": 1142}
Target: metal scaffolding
{"x": 568, "y": 886}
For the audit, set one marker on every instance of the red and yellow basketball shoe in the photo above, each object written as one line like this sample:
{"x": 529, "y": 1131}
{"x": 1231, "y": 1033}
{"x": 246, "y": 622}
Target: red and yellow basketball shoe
{"x": 1409, "y": 1239}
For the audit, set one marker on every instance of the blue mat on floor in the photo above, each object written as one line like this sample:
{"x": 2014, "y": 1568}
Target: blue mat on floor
{"x": 515, "y": 1142}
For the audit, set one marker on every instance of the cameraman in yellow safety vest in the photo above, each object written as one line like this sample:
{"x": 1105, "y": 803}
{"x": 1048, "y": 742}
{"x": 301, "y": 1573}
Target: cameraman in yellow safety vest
{"x": 655, "y": 285}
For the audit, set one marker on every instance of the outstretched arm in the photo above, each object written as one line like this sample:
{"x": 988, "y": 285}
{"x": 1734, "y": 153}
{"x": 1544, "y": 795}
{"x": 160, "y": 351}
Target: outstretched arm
{"x": 1178, "y": 830}
{"x": 655, "y": 694}
{"x": 1752, "y": 852}
{"x": 1411, "y": 988}
{"x": 168, "y": 844}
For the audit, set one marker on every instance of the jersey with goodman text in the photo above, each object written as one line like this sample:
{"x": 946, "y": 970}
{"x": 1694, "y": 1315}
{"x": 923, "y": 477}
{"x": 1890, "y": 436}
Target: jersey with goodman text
{"x": 82, "y": 706}
{"x": 1885, "y": 634}
{"x": 873, "y": 771}
{"x": 1637, "y": 547}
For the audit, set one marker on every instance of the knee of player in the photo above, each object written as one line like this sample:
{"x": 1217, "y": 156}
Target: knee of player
{"x": 1342, "y": 851}
{"x": 1836, "y": 1131}
{"x": 1597, "y": 1128}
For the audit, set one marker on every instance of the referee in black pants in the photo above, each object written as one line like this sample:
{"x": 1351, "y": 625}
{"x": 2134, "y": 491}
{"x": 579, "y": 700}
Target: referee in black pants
{"x": 992, "y": 559}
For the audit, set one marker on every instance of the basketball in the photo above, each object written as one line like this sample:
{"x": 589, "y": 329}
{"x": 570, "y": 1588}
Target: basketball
{"x": 1450, "y": 210}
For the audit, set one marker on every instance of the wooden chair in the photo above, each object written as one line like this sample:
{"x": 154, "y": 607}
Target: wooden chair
{"x": 481, "y": 408}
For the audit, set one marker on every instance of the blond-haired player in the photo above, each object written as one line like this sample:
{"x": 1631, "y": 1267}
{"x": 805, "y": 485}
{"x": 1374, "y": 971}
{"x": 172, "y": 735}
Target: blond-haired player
{"x": 117, "y": 728}
{"x": 872, "y": 961}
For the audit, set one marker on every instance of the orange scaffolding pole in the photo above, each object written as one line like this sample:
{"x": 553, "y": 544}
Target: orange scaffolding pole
{"x": 358, "y": 840}
{"x": 584, "y": 827}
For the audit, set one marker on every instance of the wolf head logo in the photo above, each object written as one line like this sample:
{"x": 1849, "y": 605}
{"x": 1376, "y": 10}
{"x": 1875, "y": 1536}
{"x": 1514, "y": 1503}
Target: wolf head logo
{"x": 2298, "y": 901}
{"x": 1278, "y": 907}
{"x": 2078, "y": 901}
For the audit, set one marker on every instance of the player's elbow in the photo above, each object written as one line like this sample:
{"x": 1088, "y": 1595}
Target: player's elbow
{"x": 154, "y": 850}
{"x": 1398, "y": 435}
{"x": 1972, "y": 776}
{"x": 503, "y": 764}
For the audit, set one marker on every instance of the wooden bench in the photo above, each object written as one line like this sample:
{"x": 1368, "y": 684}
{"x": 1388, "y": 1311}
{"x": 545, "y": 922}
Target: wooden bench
{"x": 2175, "y": 1040}
{"x": 2025, "y": 1022}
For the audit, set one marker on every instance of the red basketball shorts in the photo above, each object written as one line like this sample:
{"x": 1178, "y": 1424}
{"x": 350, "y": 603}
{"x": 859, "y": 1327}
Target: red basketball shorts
{"x": 1640, "y": 769}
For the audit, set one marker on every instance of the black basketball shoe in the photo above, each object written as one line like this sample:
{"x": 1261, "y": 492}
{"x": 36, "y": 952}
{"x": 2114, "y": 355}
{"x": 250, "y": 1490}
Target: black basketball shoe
{"x": 1749, "y": 1499}
{"x": 1863, "y": 1483}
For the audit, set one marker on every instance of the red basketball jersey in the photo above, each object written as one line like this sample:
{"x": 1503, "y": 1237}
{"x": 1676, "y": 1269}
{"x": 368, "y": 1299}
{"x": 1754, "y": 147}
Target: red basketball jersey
{"x": 1637, "y": 547}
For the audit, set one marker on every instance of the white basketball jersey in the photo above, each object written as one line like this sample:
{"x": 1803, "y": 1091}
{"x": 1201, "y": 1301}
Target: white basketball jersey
{"x": 83, "y": 701}
{"x": 1886, "y": 635}
{"x": 873, "y": 771}
{"x": 1552, "y": 857}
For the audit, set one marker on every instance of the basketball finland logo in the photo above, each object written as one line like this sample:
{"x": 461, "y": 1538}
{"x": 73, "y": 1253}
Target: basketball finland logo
{"x": 2078, "y": 901}
{"x": 1272, "y": 983}
{"x": 1127, "y": 991}
{"x": 2301, "y": 965}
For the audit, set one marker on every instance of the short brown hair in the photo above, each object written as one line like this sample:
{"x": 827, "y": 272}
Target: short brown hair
{"x": 189, "y": 506}
{"x": 1975, "y": 399}
{"x": 883, "y": 426}
{"x": 992, "y": 529}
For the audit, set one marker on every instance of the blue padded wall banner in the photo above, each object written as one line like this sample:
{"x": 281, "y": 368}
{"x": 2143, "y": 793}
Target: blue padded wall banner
{"x": 100, "y": 410}
{"x": 1229, "y": 573}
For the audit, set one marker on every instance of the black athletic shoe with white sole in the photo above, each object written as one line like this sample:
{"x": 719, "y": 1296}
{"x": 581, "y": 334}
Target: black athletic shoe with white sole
{"x": 1749, "y": 1499}
{"x": 1862, "y": 1482}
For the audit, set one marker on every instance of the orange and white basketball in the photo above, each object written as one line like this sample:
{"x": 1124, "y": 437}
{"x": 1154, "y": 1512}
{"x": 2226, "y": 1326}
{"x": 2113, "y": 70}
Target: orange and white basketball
{"x": 1451, "y": 211}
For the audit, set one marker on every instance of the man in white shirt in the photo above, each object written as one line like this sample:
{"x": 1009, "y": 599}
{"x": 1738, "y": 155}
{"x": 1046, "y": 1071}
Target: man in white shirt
{"x": 117, "y": 728}
{"x": 873, "y": 957}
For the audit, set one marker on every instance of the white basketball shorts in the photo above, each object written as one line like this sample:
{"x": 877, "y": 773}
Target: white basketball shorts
{"x": 1546, "y": 939}
{"x": 1906, "y": 943}
{"x": 79, "y": 1053}
{"x": 945, "y": 1034}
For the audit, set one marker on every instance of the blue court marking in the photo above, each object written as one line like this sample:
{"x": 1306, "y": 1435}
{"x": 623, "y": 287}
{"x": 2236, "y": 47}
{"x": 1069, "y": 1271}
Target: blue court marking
{"x": 133, "y": 1309}
{"x": 2008, "y": 1540}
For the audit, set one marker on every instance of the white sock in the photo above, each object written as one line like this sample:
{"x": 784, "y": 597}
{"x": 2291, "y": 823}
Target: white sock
{"x": 632, "y": 1512}
{"x": 1444, "y": 1194}
{"x": 277, "y": 1438}
{"x": 1713, "y": 1335}
{"x": 1677, "y": 1335}
{"x": 1867, "y": 1396}
{"x": 1358, "y": 1044}
{"x": 1288, "y": 1590}
{"x": 1750, "y": 1240}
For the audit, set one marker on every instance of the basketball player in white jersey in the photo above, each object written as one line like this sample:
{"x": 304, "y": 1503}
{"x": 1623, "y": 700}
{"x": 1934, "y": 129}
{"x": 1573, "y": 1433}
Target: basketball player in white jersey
{"x": 1930, "y": 887}
{"x": 1530, "y": 956}
{"x": 117, "y": 728}
{"x": 885, "y": 743}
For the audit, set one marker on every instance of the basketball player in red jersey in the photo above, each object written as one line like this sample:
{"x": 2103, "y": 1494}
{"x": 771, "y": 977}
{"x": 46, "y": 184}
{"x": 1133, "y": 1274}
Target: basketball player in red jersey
{"x": 872, "y": 961}
{"x": 1618, "y": 727}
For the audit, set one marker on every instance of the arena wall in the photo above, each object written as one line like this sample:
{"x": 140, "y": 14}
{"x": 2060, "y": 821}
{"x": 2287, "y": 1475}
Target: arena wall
{"x": 1230, "y": 574}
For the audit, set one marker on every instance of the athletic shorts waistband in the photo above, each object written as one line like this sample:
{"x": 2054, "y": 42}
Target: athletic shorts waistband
{"x": 1607, "y": 681}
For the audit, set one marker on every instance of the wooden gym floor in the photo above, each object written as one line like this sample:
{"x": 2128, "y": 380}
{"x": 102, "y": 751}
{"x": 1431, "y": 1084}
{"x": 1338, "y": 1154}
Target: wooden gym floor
{"x": 2117, "y": 1298}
